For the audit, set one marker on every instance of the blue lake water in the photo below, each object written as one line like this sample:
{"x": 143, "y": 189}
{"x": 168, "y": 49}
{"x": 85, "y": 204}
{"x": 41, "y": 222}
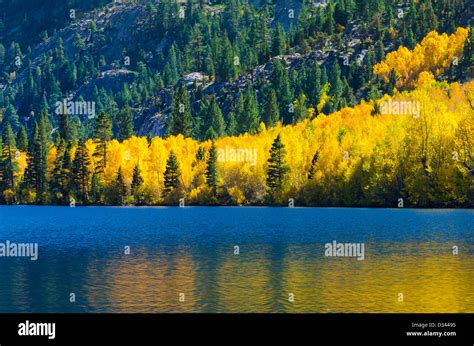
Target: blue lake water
{"x": 184, "y": 260}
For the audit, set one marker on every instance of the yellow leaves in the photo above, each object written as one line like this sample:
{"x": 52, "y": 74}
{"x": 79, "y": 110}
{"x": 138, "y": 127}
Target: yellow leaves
{"x": 395, "y": 60}
{"x": 340, "y": 28}
{"x": 469, "y": 93}
{"x": 425, "y": 79}
{"x": 434, "y": 54}
{"x": 324, "y": 97}
{"x": 392, "y": 32}
{"x": 90, "y": 146}
{"x": 9, "y": 196}
{"x": 350, "y": 142}
{"x": 22, "y": 163}
{"x": 236, "y": 195}
{"x": 51, "y": 157}
{"x": 201, "y": 195}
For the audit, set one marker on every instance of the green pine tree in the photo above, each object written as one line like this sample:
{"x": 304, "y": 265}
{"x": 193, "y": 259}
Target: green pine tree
{"x": 277, "y": 171}
{"x": 22, "y": 139}
{"x": 8, "y": 164}
{"x": 200, "y": 154}
{"x": 312, "y": 168}
{"x": 465, "y": 67}
{"x": 231, "y": 128}
{"x": 125, "y": 124}
{"x": 335, "y": 81}
{"x": 281, "y": 84}
{"x": 214, "y": 123}
{"x": 278, "y": 40}
{"x": 271, "y": 114}
{"x": 60, "y": 184}
{"x": 81, "y": 173}
{"x": 301, "y": 111}
{"x": 64, "y": 126}
{"x": 313, "y": 84}
{"x": 181, "y": 119}
{"x": 102, "y": 134}
{"x": 56, "y": 181}
{"x": 97, "y": 189}
{"x": 239, "y": 110}
{"x": 11, "y": 117}
{"x": 249, "y": 118}
{"x": 121, "y": 187}
{"x": 137, "y": 182}
{"x": 172, "y": 173}
{"x": 40, "y": 157}
{"x": 212, "y": 174}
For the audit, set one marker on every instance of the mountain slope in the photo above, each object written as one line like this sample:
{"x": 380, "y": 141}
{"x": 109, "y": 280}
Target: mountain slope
{"x": 147, "y": 48}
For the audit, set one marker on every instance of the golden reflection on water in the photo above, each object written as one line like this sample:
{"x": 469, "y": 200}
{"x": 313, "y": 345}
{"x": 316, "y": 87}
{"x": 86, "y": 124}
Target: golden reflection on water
{"x": 245, "y": 285}
{"x": 144, "y": 284}
{"x": 428, "y": 275}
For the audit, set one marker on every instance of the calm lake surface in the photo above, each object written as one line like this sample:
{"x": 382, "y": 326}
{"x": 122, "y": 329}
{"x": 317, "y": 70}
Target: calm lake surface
{"x": 190, "y": 251}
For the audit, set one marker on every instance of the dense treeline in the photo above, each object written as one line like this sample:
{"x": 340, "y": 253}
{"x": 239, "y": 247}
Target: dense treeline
{"x": 413, "y": 148}
{"x": 262, "y": 142}
{"x": 354, "y": 157}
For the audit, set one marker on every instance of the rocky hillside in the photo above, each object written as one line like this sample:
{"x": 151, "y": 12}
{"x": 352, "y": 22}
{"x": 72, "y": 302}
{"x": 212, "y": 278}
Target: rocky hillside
{"x": 136, "y": 53}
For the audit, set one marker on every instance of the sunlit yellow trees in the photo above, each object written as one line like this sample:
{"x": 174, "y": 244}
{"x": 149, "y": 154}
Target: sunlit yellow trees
{"x": 434, "y": 54}
{"x": 416, "y": 145}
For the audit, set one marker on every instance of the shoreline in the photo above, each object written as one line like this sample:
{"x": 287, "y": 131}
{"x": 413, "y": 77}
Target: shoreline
{"x": 232, "y": 206}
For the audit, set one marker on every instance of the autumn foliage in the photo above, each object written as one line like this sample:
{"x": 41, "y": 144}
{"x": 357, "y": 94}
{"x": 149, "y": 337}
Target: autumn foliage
{"x": 432, "y": 56}
{"x": 364, "y": 158}
{"x": 415, "y": 147}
